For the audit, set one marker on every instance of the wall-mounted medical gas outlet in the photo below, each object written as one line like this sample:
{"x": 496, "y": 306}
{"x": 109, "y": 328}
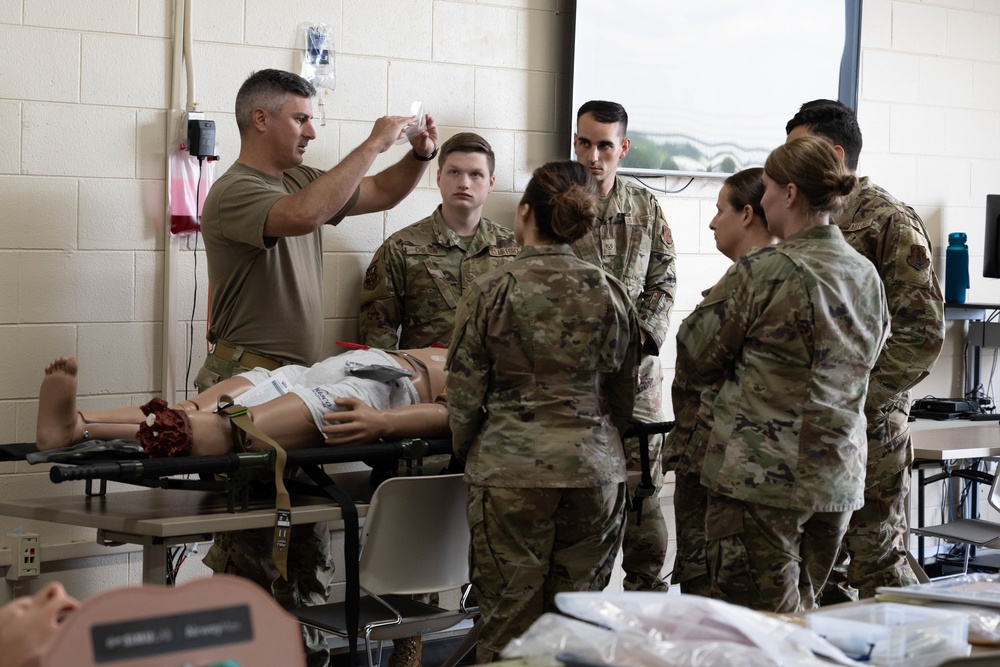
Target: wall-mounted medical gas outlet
{"x": 25, "y": 556}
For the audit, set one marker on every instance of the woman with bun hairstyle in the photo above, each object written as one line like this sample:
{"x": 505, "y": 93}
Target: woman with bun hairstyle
{"x": 788, "y": 336}
{"x": 541, "y": 384}
{"x": 740, "y": 227}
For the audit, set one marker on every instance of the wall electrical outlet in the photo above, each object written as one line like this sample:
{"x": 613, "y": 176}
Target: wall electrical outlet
{"x": 25, "y": 556}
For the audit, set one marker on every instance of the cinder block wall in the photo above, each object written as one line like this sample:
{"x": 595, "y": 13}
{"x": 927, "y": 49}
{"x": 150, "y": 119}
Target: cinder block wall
{"x": 84, "y": 91}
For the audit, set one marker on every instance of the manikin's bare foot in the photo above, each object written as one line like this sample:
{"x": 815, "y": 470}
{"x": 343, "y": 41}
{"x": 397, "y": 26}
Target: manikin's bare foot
{"x": 58, "y": 420}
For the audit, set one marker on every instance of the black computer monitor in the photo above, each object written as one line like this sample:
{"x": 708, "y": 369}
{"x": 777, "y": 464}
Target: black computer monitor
{"x": 991, "y": 242}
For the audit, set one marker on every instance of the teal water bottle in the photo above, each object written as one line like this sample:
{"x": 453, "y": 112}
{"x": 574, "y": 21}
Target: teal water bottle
{"x": 956, "y": 268}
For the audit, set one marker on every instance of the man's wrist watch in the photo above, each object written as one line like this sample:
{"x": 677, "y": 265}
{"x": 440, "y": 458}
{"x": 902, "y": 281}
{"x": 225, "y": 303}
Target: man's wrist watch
{"x": 421, "y": 158}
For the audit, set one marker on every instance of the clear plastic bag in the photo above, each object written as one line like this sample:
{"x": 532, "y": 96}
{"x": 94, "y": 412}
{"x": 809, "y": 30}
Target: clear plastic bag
{"x": 639, "y": 629}
{"x": 319, "y": 63}
{"x": 189, "y": 184}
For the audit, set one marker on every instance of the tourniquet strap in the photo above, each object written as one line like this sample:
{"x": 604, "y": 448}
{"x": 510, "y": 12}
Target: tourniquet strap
{"x": 244, "y": 427}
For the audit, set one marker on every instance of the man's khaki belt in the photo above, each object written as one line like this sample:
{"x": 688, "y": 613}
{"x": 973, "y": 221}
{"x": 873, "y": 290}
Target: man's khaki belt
{"x": 227, "y": 352}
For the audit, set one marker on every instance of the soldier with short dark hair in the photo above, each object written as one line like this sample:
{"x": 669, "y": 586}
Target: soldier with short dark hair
{"x": 414, "y": 281}
{"x": 632, "y": 242}
{"x": 893, "y": 237}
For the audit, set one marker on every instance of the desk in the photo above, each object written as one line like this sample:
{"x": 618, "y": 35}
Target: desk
{"x": 158, "y": 518}
{"x": 937, "y": 441}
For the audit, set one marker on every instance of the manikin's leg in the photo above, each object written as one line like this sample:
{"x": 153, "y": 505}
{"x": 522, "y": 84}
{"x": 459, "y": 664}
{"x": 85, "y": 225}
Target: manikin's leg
{"x": 286, "y": 420}
{"x": 60, "y": 425}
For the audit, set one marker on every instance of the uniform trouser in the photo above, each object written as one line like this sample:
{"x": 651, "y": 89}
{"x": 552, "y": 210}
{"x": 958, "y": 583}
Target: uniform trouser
{"x": 768, "y": 558}
{"x": 529, "y": 544}
{"x": 690, "y": 505}
{"x": 247, "y": 553}
{"x": 873, "y": 552}
{"x": 644, "y": 547}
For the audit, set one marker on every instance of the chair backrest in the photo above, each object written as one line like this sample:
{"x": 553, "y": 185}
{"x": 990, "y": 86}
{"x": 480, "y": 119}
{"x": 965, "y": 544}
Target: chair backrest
{"x": 416, "y": 536}
{"x": 994, "y": 496}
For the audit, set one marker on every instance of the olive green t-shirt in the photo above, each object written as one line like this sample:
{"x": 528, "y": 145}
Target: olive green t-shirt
{"x": 266, "y": 292}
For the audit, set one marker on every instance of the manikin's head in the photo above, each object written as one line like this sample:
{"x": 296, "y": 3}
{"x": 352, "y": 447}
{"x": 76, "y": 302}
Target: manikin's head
{"x": 558, "y": 206}
{"x": 739, "y": 223}
{"x": 601, "y": 141}
{"x": 465, "y": 172}
{"x": 833, "y": 121}
{"x": 29, "y": 624}
{"x": 274, "y": 112}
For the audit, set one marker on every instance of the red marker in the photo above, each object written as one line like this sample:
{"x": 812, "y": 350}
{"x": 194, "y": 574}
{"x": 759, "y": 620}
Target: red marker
{"x": 352, "y": 346}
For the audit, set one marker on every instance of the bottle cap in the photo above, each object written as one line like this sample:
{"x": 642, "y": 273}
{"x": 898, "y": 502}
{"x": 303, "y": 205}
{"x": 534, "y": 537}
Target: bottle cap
{"x": 957, "y": 237}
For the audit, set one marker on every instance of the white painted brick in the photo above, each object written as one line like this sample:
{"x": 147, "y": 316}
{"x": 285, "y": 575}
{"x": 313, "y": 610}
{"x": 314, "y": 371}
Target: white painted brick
{"x": 388, "y": 28}
{"x": 919, "y": 28}
{"x": 876, "y": 24}
{"x": 39, "y": 64}
{"x": 187, "y": 345}
{"x": 932, "y": 219}
{"x": 121, "y": 215}
{"x": 985, "y": 180}
{"x": 873, "y": 117}
{"x": 64, "y": 140}
{"x": 358, "y": 233}
{"x": 986, "y": 86}
{"x": 10, "y": 11}
{"x": 918, "y": 130}
{"x": 10, "y": 137}
{"x": 226, "y": 67}
{"x": 515, "y": 100}
{"x": 219, "y": 21}
{"x": 91, "y": 15}
{"x": 38, "y": 213}
{"x": 972, "y": 133}
{"x": 544, "y": 5}
{"x": 190, "y": 265}
{"x": 280, "y": 23}
{"x": 149, "y": 286}
{"x": 417, "y": 206}
{"x": 544, "y": 41}
{"x": 532, "y": 150}
{"x": 942, "y": 181}
{"x": 698, "y": 273}
{"x": 7, "y": 431}
{"x": 35, "y": 346}
{"x": 447, "y": 91}
{"x": 706, "y": 237}
{"x": 501, "y": 208}
{"x": 120, "y": 357}
{"x": 988, "y": 6}
{"x": 895, "y": 173}
{"x": 973, "y": 35}
{"x": 475, "y": 35}
{"x": 141, "y": 65}
{"x": 889, "y": 76}
{"x": 685, "y": 221}
{"x": 362, "y": 85}
{"x": 156, "y": 17}
{"x": 945, "y": 82}
{"x": 348, "y": 272}
{"x": 9, "y": 298}
{"x": 102, "y": 286}
{"x": 151, "y": 150}
{"x": 968, "y": 219}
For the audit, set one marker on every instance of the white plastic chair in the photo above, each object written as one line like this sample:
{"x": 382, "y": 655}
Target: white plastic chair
{"x": 974, "y": 532}
{"x": 415, "y": 541}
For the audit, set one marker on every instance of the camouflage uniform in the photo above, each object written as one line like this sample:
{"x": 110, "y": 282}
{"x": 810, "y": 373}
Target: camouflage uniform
{"x": 791, "y": 333}
{"x": 892, "y": 236}
{"x": 685, "y": 445}
{"x": 541, "y": 382}
{"x": 632, "y": 242}
{"x": 417, "y": 276}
